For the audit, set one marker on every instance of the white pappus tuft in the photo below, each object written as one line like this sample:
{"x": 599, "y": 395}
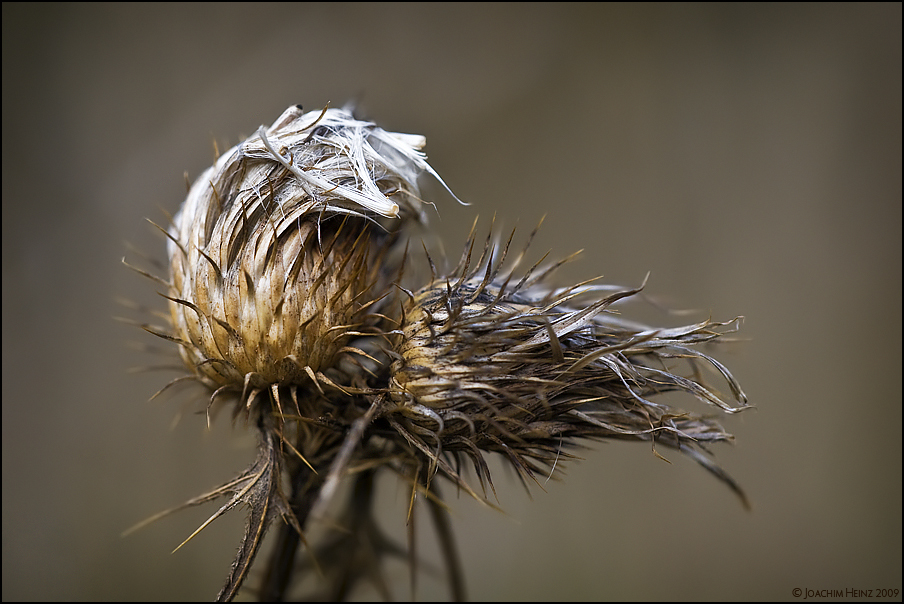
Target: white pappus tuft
{"x": 340, "y": 163}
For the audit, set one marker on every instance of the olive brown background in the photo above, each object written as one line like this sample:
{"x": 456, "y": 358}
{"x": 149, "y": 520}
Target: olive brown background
{"x": 748, "y": 156}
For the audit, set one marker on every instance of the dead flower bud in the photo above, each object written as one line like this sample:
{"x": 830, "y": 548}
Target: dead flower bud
{"x": 277, "y": 254}
{"x": 486, "y": 363}
{"x": 286, "y": 301}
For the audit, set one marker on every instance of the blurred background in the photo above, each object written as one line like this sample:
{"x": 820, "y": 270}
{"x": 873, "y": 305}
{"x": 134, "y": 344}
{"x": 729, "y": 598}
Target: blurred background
{"x": 748, "y": 156}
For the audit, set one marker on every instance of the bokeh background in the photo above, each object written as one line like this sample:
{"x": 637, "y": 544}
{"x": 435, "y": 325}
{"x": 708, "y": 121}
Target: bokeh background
{"x": 748, "y": 156}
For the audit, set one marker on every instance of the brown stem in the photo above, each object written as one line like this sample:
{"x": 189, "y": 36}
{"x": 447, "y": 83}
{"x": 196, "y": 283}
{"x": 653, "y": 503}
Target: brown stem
{"x": 280, "y": 567}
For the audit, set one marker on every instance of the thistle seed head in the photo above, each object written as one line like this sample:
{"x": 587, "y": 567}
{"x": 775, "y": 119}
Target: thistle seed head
{"x": 485, "y": 363}
{"x": 276, "y": 252}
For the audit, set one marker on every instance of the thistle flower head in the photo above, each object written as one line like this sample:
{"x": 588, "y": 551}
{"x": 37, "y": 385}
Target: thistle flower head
{"x": 272, "y": 257}
{"x": 487, "y": 363}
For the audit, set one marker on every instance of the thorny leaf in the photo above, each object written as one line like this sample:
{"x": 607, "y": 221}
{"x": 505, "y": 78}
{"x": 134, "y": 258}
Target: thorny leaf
{"x": 266, "y": 501}
{"x": 258, "y": 488}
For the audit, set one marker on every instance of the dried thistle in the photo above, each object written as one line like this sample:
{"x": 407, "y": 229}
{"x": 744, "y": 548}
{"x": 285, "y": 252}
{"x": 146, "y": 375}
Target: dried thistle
{"x": 287, "y": 302}
{"x": 488, "y": 364}
{"x": 272, "y": 255}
